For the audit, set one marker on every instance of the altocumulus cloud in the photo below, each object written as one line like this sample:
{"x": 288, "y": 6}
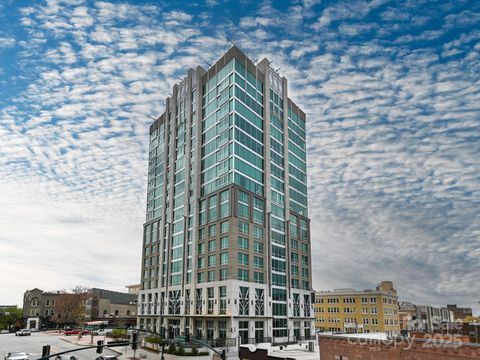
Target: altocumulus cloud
{"x": 391, "y": 91}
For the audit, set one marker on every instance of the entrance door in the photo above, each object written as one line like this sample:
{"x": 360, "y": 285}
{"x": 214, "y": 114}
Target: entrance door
{"x": 198, "y": 329}
{"x": 259, "y": 332}
{"x": 307, "y": 330}
{"x": 173, "y": 328}
{"x": 243, "y": 331}
{"x": 296, "y": 330}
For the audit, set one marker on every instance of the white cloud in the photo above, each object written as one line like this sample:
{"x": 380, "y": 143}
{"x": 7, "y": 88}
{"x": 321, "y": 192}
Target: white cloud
{"x": 393, "y": 163}
{"x": 179, "y": 16}
{"x": 301, "y": 51}
{"x": 6, "y": 42}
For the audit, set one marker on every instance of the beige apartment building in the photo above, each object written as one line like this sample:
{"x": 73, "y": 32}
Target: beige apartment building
{"x": 358, "y": 311}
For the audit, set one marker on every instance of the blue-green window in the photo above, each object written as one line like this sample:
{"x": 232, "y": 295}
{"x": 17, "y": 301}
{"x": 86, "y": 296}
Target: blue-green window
{"x": 224, "y": 242}
{"x": 242, "y": 227}
{"x": 243, "y": 274}
{"x": 224, "y": 258}
{"x": 258, "y": 247}
{"x": 242, "y": 259}
{"x": 223, "y": 274}
{"x": 278, "y": 280}
{"x": 212, "y": 245}
{"x": 258, "y": 262}
{"x": 258, "y": 277}
{"x": 242, "y": 243}
{"x": 243, "y": 205}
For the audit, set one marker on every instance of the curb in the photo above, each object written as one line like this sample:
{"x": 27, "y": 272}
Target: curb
{"x": 80, "y": 344}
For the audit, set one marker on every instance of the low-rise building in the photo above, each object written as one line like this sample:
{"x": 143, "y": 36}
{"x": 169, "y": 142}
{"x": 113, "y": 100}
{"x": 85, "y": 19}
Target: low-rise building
{"x": 307, "y": 350}
{"x": 104, "y": 304}
{"x": 40, "y": 307}
{"x": 472, "y": 330}
{"x": 358, "y": 311}
{"x": 465, "y": 329}
{"x": 52, "y": 309}
{"x": 406, "y": 313}
{"x": 134, "y": 289}
{"x": 405, "y": 319}
{"x": 460, "y": 313}
{"x": 350, "y": 347}
{"x": 432, "y": 319}
{"x": 425, "y": 318}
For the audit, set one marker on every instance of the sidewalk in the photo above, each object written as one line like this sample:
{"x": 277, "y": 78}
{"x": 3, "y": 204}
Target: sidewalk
{"x": 86, "y": 340}
{"x": 125, "y": 353}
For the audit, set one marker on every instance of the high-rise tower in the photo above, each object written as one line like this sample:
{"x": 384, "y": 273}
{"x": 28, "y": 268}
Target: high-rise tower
{"x": 226, "y": 246}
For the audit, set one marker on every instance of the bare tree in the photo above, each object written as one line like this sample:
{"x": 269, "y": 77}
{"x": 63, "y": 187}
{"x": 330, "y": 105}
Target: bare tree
{"x": 80, "y": 289}
{"x": 70, "y": 309}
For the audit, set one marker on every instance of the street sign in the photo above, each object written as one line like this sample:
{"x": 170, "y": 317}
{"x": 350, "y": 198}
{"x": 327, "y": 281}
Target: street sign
{"x": 118, "y": 343}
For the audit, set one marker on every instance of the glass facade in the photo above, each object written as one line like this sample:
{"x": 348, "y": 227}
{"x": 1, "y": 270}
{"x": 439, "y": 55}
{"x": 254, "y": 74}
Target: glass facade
{"x": 227, "y": 202}
{"x": 232, "y": 131}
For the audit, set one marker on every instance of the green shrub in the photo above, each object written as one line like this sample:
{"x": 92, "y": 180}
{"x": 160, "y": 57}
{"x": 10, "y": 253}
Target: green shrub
{"x": 194, "y": 351}
{"x": 119, "y": 333}
{"x": 153, "y": 339}
{"x": 203, "y": 353}
{"x": 180, "y": 351}
{"x": 171, "y": 349}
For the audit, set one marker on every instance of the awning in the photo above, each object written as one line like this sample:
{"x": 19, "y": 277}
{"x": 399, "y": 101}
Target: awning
{"x": 96, "y": 323}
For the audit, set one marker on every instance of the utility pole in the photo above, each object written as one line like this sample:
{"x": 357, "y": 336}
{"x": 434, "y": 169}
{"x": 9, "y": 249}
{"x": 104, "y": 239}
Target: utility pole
{"x": 163, "y": 349}
{"x": 46, "y": 350}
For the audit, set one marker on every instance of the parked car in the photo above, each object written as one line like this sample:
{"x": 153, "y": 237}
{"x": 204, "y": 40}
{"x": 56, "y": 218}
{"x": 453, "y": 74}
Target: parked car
{"x": 76, "y": 332}
{"x": 4, "y": 332}
{"x": 23, "y": 332}
{"x": 16, "y": 355}
{"x": 107, "y": 357}
{"x": 65, "y": 357}
{"x": 104, "y": 332}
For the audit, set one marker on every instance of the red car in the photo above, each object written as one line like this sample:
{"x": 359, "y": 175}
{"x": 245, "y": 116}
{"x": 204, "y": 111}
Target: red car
{"x": 76, "y": 332}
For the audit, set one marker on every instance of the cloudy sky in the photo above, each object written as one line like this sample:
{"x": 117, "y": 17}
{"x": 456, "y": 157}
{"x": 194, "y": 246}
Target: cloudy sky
{"x": 392, "y": 94}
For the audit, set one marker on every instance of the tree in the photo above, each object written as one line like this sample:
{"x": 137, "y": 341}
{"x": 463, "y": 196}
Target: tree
{"x": 70, "y": 309}
{"x": 471, "y": 319}
{"x": 9, "y": 317}
{"x": 80, "y": 289}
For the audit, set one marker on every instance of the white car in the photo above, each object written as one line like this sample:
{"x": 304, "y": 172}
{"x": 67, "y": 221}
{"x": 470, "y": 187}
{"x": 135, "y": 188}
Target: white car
{"x": 16, "y": 355}
{"x": 23, "y": 332}
{"x": 104, "y": 332}
{"x": 4, "y": 332}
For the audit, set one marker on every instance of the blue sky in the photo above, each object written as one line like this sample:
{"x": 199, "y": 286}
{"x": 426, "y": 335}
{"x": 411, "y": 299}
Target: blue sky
{"x": 392, "y": 94}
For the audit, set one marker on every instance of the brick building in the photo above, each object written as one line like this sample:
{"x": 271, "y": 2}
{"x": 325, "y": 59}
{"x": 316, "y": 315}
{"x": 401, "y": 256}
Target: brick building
{"x": 307, "y": 350}
{"x": 52, "y": 309}
{"x": 355, "y": 348}
{"x": 460, "y": 313}
{"x": 470, "y": 330}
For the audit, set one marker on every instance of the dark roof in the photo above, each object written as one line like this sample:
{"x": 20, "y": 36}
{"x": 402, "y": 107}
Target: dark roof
{"x": 115, "y": 297}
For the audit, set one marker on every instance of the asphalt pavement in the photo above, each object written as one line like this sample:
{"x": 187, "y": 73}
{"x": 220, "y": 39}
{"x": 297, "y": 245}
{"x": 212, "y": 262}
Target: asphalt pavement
{"x": 33, "y": 344}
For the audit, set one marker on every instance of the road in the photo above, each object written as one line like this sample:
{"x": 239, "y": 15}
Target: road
{"x": 33, "y": 345}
